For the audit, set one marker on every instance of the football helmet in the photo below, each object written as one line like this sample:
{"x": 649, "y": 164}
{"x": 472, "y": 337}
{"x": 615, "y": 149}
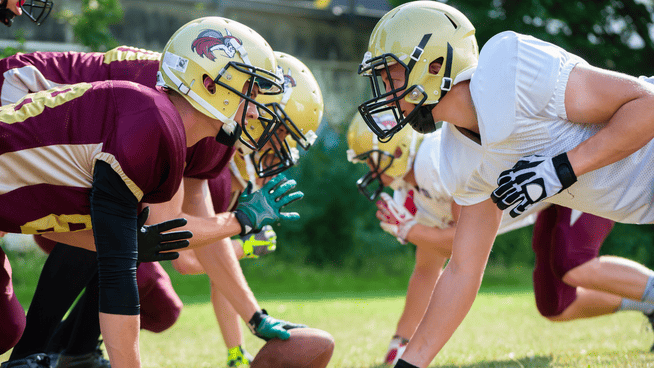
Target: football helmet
{"x": 414, "y": 35}
{"x": 232, "y": 55}
{"x": 299, "y": 109}
{"x": 393, "y": 157}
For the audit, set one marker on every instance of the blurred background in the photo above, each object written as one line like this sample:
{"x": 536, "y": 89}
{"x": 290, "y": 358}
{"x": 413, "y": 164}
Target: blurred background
{"x": 338, "y": 232}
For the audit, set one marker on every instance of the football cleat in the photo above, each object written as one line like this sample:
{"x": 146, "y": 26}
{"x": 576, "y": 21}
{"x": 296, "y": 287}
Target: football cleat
{"x": 94, "y": 359}
{"x": 395, "y": 350}
{"x": 238, "y": 357}
{"x": 33, "y": 361}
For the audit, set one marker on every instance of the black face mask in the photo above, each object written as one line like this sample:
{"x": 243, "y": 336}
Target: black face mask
{"x": 227, "y": 139}
{"x": 37, "y": 10}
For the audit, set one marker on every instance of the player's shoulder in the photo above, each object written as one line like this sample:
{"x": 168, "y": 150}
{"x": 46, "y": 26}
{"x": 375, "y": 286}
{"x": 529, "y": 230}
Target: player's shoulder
{"x": 129, "y": 53}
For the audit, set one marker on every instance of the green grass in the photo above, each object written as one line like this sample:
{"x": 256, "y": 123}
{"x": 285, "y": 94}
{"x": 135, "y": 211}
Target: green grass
{"x": 361, "y": 309}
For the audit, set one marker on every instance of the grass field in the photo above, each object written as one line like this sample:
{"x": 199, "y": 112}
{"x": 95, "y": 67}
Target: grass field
{"x": 503, "y": 328}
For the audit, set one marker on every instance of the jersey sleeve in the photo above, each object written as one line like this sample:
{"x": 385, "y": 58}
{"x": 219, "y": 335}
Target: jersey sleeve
{"x": 148, "y": 147}
{"x": 518, "y": 77}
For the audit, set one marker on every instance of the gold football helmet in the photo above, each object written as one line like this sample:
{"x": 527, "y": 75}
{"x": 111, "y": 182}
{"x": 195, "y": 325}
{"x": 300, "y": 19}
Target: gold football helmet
{"x": 415, "y": 35}
{"x": 299, "y": 109}
{"x": 393, "y": 157}
{"x": 232, "y": 55}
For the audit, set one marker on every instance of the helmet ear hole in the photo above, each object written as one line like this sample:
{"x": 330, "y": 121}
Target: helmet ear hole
{"x": 398, "y": 152}
{"x": 435, "y": 66}
{"x": 209, "y": 84}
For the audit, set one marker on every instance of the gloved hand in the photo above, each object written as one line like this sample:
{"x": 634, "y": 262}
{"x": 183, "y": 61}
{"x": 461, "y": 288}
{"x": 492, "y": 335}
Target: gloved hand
{"x": 263, "y": 242}
{"x": 266, "y": 327}
{"x": 531, "y": 180}
{"x": 394, "y": 218}
{"x": 258, "y": 209}
{"x": 152, "y": 240}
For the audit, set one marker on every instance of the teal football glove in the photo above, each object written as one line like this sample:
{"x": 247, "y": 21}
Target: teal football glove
{"x": 261, "y": 243}
{"x": 258, "y": 209}
{"x": 266, "y": 327}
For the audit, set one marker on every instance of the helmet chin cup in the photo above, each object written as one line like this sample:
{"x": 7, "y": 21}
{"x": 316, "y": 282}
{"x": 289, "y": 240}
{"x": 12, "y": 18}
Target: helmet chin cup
{"x": 229, "y": 139}
{"x": 422, "y": 121}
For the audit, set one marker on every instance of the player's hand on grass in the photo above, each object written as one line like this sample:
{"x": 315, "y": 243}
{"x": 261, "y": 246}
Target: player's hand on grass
{"x": 258, "y": 244}
{"x": 394, "y": 218}
{"x": 153, "y": 240}
{"x": 531, "y": 180}
{"x": 263, "y": 207}
{"x": 266, "y": 327}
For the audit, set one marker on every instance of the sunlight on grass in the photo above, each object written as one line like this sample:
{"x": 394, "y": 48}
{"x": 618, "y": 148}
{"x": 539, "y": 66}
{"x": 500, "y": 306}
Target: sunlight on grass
{"x": 502, "y": 330}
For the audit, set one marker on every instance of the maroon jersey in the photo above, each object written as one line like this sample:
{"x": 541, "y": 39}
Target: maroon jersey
{"x": 50, "y": 141}
{"x": 26, "y": 73}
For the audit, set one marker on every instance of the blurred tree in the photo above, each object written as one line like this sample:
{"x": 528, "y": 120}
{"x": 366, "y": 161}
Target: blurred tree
{"x": 612, "y": 34}
{"x": 91, "y": 27}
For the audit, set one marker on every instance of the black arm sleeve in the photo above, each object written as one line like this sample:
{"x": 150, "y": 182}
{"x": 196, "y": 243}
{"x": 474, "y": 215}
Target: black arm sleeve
{"x": 113, "y": 215}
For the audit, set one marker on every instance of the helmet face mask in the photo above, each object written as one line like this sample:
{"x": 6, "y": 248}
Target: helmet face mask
{"x": 371, "y": 185}
{"x": 299, "y": 111}
{"x": 387, "y": 100}
{"x": 270, "y": 123}
{"x": 37, "y": 10}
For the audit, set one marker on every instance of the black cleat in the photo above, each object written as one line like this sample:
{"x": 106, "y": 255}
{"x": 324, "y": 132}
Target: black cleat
{"x": 33, "y": 361}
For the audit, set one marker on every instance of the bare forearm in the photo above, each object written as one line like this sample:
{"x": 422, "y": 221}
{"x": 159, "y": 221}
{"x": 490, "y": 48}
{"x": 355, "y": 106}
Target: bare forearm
{"x": 121, "y": 337}
{"x": 222, "y": 267}
{"x": 623, "y": 103}
{"x": 81, "y": 239}
{"x": 438, "y": 240}
{"x": 444, "y": 314}
{"x": 629, "y": 130}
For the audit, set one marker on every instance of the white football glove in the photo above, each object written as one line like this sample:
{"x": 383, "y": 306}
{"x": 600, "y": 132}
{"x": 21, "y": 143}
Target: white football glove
{"x": 397, "y": 220}
{"x": 531, "y": 180}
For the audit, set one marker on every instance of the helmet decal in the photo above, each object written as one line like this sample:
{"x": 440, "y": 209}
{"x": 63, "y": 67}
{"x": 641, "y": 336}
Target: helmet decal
{"x": 288, "y": 80}
{"x": 211, "y": 40}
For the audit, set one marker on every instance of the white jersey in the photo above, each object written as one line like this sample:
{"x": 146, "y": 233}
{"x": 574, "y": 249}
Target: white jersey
{"x": 432, "y": 200}
{"x": 518, "y": 91}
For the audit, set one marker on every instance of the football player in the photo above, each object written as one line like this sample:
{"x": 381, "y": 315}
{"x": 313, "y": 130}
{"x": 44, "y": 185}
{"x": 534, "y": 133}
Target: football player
{"x": 518, "y": 97}
{"x": 239, "y": 66}
{"x": 423, "y": 213}
{"x": 300, "y": 110}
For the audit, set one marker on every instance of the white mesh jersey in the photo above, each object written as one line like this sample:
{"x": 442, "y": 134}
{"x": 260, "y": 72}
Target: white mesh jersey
{"x": 518, "y": 90}
{"x": 433, "y": 201}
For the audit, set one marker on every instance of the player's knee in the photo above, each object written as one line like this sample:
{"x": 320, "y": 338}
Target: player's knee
{"x": 166, "y": 316}
{"x": 13, "y": 326}
{"x": 583, "y": 275}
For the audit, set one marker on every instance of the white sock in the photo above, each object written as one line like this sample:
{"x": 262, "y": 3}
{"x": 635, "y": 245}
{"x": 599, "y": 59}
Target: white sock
{"x": 634, "y": 305}
{"x": 648, "y": 294}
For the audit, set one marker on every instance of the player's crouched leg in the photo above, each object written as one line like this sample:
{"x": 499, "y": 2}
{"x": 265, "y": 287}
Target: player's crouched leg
{"x": 160, "y": 304}
{"x": 12, "y": 318}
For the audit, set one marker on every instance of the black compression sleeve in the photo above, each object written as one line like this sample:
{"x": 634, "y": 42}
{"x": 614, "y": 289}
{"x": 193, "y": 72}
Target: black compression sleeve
{"x": 113, "y": 214}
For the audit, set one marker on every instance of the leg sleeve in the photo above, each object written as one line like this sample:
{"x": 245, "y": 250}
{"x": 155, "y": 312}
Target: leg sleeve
{"x": 113, "y": 214}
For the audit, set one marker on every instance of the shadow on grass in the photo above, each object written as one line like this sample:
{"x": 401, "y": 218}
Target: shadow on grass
{"x": 526, "y": 362}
